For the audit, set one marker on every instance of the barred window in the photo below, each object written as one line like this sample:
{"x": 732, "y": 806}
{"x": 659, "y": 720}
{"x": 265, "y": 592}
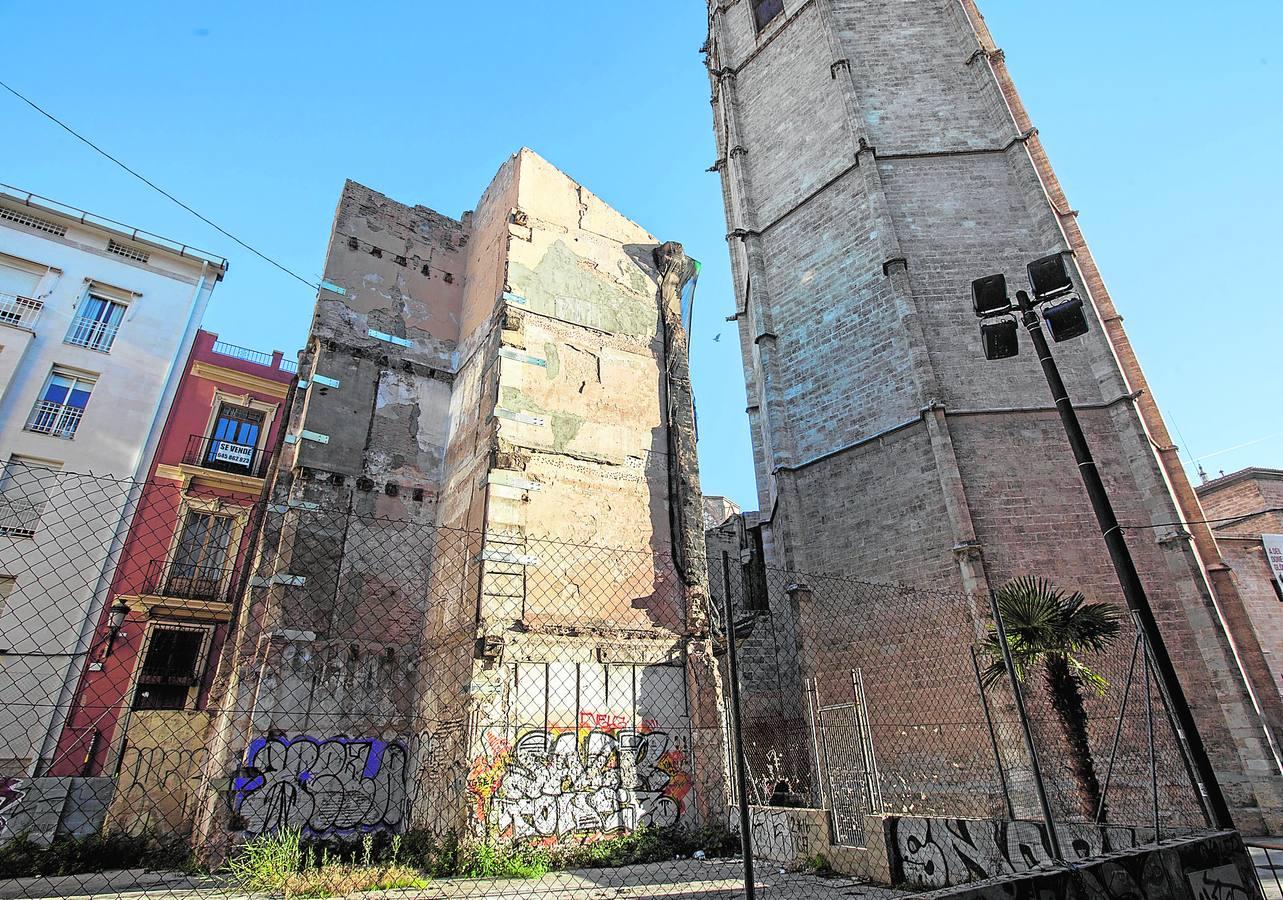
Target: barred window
{"x": 200, "y": 565}
{"x": 24, "y": 493}
{"x": 96, "y": 324}
{"x": 62, "y": 404}
{"x": 169, "y": 670}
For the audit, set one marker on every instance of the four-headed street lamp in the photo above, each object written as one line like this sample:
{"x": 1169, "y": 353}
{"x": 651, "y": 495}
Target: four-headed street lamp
{"x": 1066, "y": 318}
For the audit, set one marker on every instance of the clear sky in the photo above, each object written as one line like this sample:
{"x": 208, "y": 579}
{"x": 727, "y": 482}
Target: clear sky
{"x": 1163, "y": 120}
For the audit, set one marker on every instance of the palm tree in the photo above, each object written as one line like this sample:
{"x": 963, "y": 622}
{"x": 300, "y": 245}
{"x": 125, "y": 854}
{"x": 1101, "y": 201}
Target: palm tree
{"x": 1048, "y": 628}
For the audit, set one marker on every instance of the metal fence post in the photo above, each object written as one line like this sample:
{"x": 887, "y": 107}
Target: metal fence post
{"x": 993, "y": 738}
{"x": 1052, "y": 839}
{"x": 741, "y": 783}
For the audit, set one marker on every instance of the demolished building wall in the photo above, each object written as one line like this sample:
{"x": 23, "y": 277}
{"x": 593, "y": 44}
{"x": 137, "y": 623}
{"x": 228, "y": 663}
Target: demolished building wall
{"x": 427, "y": 606}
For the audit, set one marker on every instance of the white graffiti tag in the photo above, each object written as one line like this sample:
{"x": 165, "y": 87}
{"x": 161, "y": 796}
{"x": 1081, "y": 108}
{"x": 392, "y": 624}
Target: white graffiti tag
{"x": 338, "y": 785}
{"x": 551, "y": 787}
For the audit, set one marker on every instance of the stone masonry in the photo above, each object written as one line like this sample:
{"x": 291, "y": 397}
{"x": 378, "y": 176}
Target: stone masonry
{"x": 875, "y": 159}
{"x": 425, "y": 593}
{"x": 1243, "y": 506}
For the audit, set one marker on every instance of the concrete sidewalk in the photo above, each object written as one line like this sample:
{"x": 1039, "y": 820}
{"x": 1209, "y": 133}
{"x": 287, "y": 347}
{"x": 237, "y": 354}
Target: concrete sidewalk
{"x": 687, "y": 878}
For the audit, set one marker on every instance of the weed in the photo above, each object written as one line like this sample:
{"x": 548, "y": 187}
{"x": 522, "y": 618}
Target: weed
{"x": 67, "y": 855}
{"x": 281, "y": 863}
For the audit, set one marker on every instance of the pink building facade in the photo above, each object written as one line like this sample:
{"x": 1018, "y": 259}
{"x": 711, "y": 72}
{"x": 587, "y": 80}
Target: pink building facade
{"x": 139, "y": 713}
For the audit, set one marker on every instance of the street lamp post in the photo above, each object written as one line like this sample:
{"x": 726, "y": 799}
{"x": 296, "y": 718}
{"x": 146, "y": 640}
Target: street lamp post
{"x": 1050, "y": 280}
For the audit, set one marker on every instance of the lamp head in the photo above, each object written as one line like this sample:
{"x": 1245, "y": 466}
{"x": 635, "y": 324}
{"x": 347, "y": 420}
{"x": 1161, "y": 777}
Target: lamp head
{"x": 989, "y": 295}
{"x": 116, "y": 615}
{"x": 1066, "y": 319}
{"x": 1049, "y": 277}
{"x": 999, "y": 339}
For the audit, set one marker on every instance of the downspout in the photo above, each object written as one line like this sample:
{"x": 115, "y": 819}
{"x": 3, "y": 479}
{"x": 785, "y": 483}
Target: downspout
{"x": 89, "y": 624}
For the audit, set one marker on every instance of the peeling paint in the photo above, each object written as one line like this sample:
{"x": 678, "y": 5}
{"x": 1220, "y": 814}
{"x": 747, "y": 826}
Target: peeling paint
{"x": 565, "y": 426}
{"x": 560, "y": 285}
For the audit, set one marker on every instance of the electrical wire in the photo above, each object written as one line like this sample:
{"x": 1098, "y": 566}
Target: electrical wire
{"x": 151, "y": 184}
{"x": 1238, "y": 518}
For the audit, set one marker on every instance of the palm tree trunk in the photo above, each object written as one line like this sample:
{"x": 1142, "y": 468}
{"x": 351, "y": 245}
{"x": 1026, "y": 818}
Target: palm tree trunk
{"x": 1066, "y": 696}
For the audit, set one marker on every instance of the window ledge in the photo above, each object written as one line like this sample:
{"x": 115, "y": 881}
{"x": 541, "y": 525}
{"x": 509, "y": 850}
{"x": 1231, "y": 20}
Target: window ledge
{"x": 180, "y": 608}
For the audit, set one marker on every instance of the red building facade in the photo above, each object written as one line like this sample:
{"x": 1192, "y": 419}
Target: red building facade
{"x": 139, "y": 713}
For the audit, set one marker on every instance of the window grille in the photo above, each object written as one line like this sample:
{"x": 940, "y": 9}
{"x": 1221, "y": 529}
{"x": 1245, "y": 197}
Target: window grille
{"x": 24, "y": 492}
{"x": 169, "y": 670}
{"x": 31, "y": 221}
{"x": 18, "y": 310}
{"x": 96, "y": 325}
{"x": 61, "y": 405}
{"x": 125, "y": 250}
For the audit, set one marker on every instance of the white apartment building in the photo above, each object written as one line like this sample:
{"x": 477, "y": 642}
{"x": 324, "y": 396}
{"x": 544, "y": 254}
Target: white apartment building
{"x": 96, "y": 321}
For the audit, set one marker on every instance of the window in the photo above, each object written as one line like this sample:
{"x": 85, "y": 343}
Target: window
{"x": 7, "y": 585}
{"x": 17, "y": 292}
{"x": 232, "y": 444}
{"x": 169, "y": 669}
{"x": 199, "y": 566}
{"x": 96, "y": 324}
{"x": 24, "y": 492}
{"x": 766, "y": 10}
{"x": 62, "y": 404}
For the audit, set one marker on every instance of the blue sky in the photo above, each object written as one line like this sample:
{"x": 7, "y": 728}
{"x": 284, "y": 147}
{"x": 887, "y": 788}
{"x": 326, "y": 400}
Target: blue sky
{"x": 1162, "y": 121}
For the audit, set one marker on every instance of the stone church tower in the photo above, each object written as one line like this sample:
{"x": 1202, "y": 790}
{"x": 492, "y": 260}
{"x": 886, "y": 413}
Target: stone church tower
{"x": 875, "y": 158}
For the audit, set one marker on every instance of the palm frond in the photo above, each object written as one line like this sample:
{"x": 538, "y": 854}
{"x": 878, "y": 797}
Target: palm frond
{"x": 1042, "y": 621}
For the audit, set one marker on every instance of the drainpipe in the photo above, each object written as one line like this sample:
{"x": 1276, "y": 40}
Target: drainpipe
{"x": 89, "y": 624}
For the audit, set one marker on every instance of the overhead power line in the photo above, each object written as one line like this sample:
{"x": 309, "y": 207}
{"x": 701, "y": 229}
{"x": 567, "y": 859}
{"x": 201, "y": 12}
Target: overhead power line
{"x": 151, "y": 184}
{"x": 1231, "y": 519}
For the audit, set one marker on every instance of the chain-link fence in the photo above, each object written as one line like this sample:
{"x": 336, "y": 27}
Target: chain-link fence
{"x": 310, "y": 695}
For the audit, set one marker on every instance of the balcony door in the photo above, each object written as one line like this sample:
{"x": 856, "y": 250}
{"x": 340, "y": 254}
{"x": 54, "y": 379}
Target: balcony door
{"x": 234, "y": 439}
{"x": 201, "y": 561}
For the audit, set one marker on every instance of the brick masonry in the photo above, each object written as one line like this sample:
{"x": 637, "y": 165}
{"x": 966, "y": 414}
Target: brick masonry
{"x": 875, "y": 159}
{"x": 1244, "y": 505}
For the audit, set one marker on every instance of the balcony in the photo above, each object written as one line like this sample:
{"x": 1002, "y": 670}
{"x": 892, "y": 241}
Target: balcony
{"x": 18, "y": 310}
{"x": 258, "y": 357}
{"x": 225, "y": 456}
{"x": 188, "y": 582}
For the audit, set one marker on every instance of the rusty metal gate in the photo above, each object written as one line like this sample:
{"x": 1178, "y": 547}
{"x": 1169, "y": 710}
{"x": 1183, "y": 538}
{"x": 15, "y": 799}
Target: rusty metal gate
{"x": 846, "y": 761}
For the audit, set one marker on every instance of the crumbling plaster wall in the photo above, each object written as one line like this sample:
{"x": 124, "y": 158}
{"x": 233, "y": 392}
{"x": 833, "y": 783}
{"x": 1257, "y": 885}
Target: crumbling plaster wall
{"x": 559, "y": 444}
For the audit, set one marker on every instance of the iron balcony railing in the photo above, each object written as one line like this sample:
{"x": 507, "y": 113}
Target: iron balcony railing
{"x": 18, "y": 310}
{"x": 224, "y": 456}
{"x": 255, "y": 356}
{"x": 57, "y": 419}
{"x": 222, "y": 348}
{"x": 173, "y": 578}
{"x": 93, "y": 333}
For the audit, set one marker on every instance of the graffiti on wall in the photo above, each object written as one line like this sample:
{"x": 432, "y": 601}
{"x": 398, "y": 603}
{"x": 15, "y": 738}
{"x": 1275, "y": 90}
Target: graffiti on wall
{"x": 325, "y": 786}
{"x": 1218, "y": 883}
{"x": 934, "y": 853}
{"x": 555, "y": 783}
{"x": 781, "y": 835}
{"x": 10, "y": 797}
